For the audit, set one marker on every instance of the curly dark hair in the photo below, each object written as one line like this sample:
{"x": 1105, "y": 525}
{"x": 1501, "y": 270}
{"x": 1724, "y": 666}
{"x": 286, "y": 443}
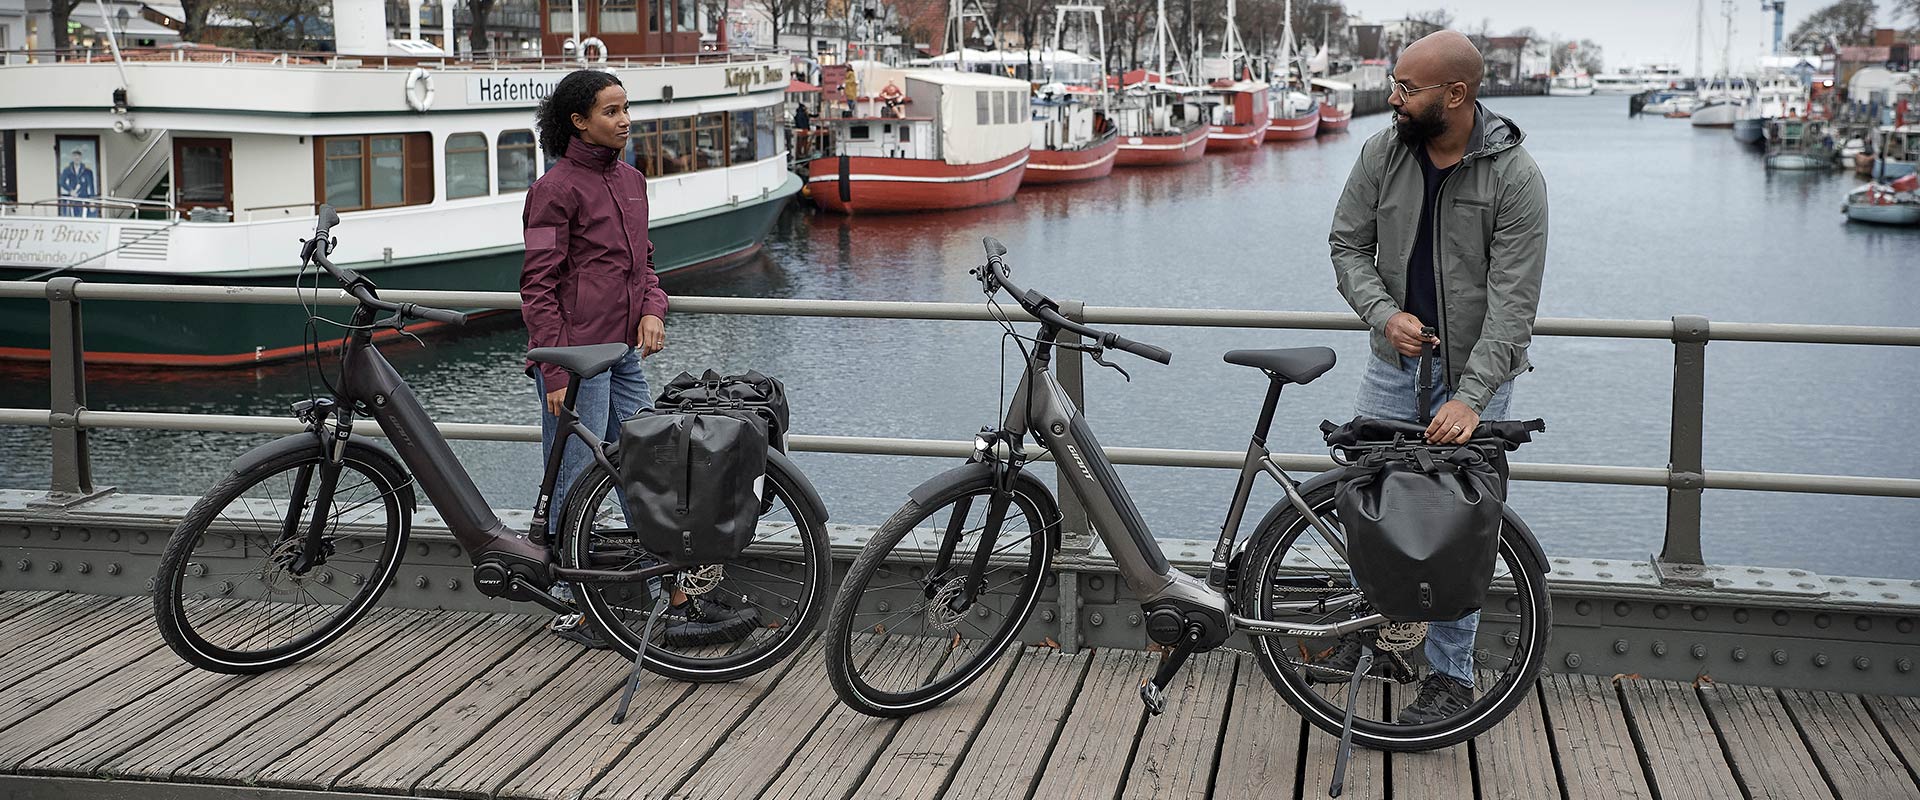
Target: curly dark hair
{"x": 574, "y": 95}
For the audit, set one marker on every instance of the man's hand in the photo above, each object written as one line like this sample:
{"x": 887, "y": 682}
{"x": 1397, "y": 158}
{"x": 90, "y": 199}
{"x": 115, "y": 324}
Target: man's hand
{"x": 1454, "y": 424}
{"x": 653, "y": 335}
{"x": 1403, "y": 332}
{"x": 553, "y": 400}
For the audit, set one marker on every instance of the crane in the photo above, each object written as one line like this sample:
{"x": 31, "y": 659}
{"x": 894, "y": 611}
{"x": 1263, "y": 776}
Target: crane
{"x": 1779, "y": 9}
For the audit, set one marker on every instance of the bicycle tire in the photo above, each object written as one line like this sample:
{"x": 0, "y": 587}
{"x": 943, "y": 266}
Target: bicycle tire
{"x": 610, "y": 607}
{"x": 184, "y": 589}
{"x": 1529, "y": 599}
{"x": 847, "y": 632}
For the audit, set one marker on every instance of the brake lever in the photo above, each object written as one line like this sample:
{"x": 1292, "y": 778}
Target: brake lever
{"x": 1098, "y": 355}
{"x": 398, "y": 322}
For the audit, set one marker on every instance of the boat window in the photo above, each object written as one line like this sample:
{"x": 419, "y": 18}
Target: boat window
{"x": 467, "y": 165}
{"x": 906, "y": 134}
{"x": 710, "y": 136}
{"x": 515, "y": 156}
{"x": 619, "y": 16}
{"x": 204, "y": 170}
{"x": 689, "y": 17}
{"x": 9, "y": 188}
{"x": 676, "y": 146}
{"x": 767, "y": 131}
{"x": 980, "y": 102}
{"x": 653, "y": 16}
{"x": 859, "y": 133}
{"x": 375, "y": 171}
{"x": 999, "y": 108}
{"x": 740, "y": 137}
{"x": 643, "y": 148}
{"x": 559, "y": 19}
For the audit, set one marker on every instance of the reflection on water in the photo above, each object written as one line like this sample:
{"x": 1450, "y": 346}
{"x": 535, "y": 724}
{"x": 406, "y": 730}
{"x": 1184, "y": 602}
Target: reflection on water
{"x": 1650, "y": 218}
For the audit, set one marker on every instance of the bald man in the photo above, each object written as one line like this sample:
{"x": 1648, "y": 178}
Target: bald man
{"x": 1441, "y": 237}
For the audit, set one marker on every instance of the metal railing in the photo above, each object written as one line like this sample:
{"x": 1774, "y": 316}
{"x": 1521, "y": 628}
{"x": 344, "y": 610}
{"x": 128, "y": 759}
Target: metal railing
{"x": 1685, "y": 477}
{"x": 315, "y": 59}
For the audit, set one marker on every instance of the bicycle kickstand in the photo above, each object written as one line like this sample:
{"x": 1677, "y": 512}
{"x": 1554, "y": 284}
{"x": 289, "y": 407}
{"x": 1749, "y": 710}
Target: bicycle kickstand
{"x": 639, "y": 659}
{"x": 1154, "y": 692}
{"x": 1346, "y": 728}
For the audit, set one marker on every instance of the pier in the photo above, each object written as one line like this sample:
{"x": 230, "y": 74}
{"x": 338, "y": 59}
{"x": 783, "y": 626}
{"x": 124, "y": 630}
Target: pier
{"x": 1668, "y": 677}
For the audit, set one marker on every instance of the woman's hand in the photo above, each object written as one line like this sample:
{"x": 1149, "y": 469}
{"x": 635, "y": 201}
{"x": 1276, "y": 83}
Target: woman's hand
{"x": 653, "y": 335}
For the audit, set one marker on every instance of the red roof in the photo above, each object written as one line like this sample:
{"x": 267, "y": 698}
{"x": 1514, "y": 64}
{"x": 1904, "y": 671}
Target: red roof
{"x": 800, "y": 86}
{"x": 1865, "y": 54}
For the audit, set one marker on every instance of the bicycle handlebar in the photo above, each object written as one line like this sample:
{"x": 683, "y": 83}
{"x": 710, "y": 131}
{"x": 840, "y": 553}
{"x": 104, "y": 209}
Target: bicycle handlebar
{"x": 316, "y": 251}
{"x": 1043, "y": 307}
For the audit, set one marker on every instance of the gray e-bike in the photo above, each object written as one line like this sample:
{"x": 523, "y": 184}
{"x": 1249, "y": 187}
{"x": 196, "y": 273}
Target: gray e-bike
{"x": 948, "y": 582}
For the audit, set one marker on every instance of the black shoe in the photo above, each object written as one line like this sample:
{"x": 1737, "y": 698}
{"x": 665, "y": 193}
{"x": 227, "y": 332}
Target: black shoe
{"x": 1440, "y": 697}
{"x": 699, "y": 622}
{"x": 1336, "y": 665}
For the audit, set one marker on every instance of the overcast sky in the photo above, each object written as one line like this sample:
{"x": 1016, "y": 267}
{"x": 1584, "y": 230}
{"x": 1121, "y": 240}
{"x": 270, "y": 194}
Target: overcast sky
{"x": 1631, "y": 32}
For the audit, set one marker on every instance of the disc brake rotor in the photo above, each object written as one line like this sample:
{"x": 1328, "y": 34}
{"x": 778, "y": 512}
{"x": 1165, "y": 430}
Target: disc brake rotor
{"x": 940, "y": 613}
{"x": 1400, "y": 637}
{"x": 702, "y": 580}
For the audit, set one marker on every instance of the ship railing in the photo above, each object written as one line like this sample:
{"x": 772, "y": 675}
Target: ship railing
{"x": 327, "y": 60}
{"x": 1685, "y": 475}
{"x": 107, "y": 207}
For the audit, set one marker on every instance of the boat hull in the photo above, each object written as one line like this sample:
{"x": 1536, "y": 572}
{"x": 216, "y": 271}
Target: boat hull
{"x": 241, "y": 334}
{"x": 1333, "y": 120}
{"x": 1162, "y": 151}
{"x": 1092, "y": 162}
{"x": 1562, "y": 91}
{"x": 1797, "y": 161}
{"x": 1715, "y": 115}
{"x": 1750, "y": 131}
{"x": 1293, "y": 129}
{"x": 1233, "y": 138}
{"x": 869, "y": 185}
{"x": 1884, "y": 170}
{"x": 1884, "y": 213}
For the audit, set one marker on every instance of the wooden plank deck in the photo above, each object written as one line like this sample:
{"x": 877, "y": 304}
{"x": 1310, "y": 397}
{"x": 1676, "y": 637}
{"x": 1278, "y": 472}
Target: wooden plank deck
{"x": 433, "y": 704}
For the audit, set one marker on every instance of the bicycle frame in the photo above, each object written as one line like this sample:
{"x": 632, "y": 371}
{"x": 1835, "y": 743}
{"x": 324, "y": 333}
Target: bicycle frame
{"x": 1052, "y": 418}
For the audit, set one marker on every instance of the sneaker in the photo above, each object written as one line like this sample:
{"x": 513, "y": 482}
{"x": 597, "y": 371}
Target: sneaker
{"x": 700, "y": 622}
{"x": 1336, "y": 665}
{"x": 1440, "y": 697}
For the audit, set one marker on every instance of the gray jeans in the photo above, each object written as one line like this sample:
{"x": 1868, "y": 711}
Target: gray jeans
{"x": 1391, "y": 391}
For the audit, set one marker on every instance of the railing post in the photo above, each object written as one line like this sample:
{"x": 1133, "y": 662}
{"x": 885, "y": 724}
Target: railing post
{"x": 1076, "y": 536}
{"x": 66, "y": 365}
{"x": 1679, "y": 562}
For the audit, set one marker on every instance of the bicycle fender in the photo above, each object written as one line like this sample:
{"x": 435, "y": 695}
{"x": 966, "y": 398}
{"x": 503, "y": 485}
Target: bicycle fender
{"x": 311, "y": 441}
{"x": 982, "y": 473}
{"x": 779, "y": 460}
{"x": 1334, "y": 475}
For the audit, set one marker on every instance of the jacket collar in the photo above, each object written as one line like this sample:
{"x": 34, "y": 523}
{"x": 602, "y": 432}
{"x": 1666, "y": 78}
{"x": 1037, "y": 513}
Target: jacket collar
{"x": 591, "y": 156}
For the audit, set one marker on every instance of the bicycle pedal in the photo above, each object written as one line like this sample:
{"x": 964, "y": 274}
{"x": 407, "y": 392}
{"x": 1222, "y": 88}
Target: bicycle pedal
{"x": 1153, "y": 697}
{"x": 566, "y": 622}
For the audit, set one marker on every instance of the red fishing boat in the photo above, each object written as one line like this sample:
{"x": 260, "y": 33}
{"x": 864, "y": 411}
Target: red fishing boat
{"x": 1159, "y": 124}
{"x": 950, "y": 140}
{"x": 1238, "y": 115}
{"x": 1292, "y": 116}
{"x": 1072, "y": 141}
{"x": 1336, "y": 104}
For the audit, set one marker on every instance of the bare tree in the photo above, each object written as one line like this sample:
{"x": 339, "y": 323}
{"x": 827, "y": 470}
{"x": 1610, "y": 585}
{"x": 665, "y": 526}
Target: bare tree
{"x": 1845, "y": 23}
{"x": 477, "y": 44}
{"x": 1583, "y": 55}
{"x": 61, "y": 11}
{"x": 271, "y": 24}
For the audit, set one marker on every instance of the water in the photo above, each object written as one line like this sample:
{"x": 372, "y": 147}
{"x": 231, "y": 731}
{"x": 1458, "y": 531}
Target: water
{"x": 1650, "y": 218}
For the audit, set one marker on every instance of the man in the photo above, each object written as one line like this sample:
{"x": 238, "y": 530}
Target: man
{"x": 1442, "y": 225}
{"x": 76, "y": 181}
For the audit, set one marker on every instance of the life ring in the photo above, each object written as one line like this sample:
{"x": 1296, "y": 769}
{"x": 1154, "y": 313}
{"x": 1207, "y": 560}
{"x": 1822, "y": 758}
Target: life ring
{"x": 593, "y": 42}
{"x": 419, "y": 89}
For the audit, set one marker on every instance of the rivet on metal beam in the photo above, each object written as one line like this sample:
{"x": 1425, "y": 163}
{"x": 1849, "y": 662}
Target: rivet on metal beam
{"x": 1660, "y": 649}
{"x": 1904, "y": 665}
{"x": 1620, "y": 646}
{"x": 1097, "y": 619}
{"x": 420, "y": 582}
{"x": 140, "y": 538}
{"x": 1622, "y": 609}
{"x": 1049, "y": 615}
{"x": 113, "y": 569}
{"x": 1699, "y": 652}
{"x": 24, "y": 565}
{"x": 1780, "y": 658}
{"x": 1862, "y": 663}
{"x": 1660, "y": 611}
{"x": 1582, "y": 608}
{"x": 1740, "y": 615}
{"x": 1863, "y": 624}
{"x": 1782, "y": 617}
{"x": 884, "y": 607}
{"x": 1904, "y": 625}
{"x": 1820, "y": 659}
{"x": 1573, "y": 661}
{"x": 1133, "y": 620}
{"x": 83, "y": 568}
{"x": 453, "y": 584}
{"x": 1739, "y": 654}
{"x": 53, "y": 566}
{"x": 1699, "y": 614}
{"x": 1822, "y": 620}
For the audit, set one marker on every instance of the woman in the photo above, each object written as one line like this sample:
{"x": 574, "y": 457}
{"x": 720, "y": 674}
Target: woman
{"x": 589, "y": 279}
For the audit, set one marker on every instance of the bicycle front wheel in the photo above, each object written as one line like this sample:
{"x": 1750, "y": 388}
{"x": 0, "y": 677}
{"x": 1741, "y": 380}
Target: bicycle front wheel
{"x": 903, "y": 636}
{"x": 737, "y": 618}
{"x": 231, "y": 594}
{"x": 1295, "y": 573}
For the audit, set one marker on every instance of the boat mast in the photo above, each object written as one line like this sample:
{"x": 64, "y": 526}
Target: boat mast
{"x": 959, "y": 34}
{"x": 1699, "y": 39}
{"x": 1160, "y": 40}
{"x": 1286, "y": 48}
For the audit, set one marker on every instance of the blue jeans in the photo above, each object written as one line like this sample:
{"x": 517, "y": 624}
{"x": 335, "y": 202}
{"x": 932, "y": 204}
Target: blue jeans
{"x": 1390, "y": 391}
{"x": 603, "y": 402}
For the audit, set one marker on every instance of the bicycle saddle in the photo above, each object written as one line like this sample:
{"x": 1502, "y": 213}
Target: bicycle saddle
{"x": 1292, "y": 364}
{"x": 585, "y": 360}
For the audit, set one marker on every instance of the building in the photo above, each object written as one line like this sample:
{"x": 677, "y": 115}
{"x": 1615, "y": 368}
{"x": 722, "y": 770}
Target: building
{"x": 1514, "y": 59}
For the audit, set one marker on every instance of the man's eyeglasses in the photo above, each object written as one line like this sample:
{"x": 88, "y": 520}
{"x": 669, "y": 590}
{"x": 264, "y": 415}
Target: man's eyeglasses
{"x": 1401, "y": 89}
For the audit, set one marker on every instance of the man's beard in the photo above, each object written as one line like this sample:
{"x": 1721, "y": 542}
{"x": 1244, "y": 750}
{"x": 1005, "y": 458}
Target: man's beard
{"x": 1416, "y": 130}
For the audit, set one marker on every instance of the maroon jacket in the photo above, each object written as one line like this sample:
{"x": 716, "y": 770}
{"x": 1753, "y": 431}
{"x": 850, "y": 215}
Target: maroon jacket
{"x": 584, "y": 281}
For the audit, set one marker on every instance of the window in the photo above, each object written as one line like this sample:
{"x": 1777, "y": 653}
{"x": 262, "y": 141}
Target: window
{"x": 999, "y": 107}
{"x": 619, "y": 16}
{"x": 689, "y": 17}
{"x": 559, "y": 18}
{"x": 709, "y": 140}
{"x": 767, "y": 132}
{"x": 515, "y": 160}
{"x": 859, "y": 133}
{"x": 9, "y": 181}
{"x": 343, "y": 172}
{"x": 376, "y": 171}
{"x": 906, "y": 134}
{"x": 740, "y": 138}
{"x": 644, "y": 147}
{"x": 204, "y": 170}
{"x": 1014, "y": 107}
{"x": 467, "y": 165}
{"x": 981, "y": 101}
{"x": 653, "y": 17}
{"x": 676, "y": 146}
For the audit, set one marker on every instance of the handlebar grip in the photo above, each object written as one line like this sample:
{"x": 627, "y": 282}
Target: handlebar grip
{"x": 435, "y": 314}
{"x": 1141, "y": 349}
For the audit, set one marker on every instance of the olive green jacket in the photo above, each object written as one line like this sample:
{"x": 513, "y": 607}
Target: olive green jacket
{"x": 1490, "y": 250}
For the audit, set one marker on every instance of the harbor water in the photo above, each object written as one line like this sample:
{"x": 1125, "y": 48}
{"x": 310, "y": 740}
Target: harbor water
{"x": 1650, "y": 218}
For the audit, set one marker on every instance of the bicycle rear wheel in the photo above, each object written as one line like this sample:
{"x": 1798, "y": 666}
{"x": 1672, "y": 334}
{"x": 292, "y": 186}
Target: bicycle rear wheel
{"x": 228, "y": 596}
{"x": 1294, "y": 573}
{"x": 756, "y": 608}
{"x": 901, "y": 638}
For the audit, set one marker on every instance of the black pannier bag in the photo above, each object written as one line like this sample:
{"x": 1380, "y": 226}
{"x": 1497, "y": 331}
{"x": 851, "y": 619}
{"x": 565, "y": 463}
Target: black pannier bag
{"x": 694, "y": 482}
{"x": 712, "y": 391}
{"x": 1422, "y": 526}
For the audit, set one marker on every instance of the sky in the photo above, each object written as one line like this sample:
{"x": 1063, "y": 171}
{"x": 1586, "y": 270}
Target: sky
{"x": 1630, "y": 32}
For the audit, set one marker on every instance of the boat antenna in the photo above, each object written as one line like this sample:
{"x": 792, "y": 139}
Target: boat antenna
{"x": 113, "y": 41}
